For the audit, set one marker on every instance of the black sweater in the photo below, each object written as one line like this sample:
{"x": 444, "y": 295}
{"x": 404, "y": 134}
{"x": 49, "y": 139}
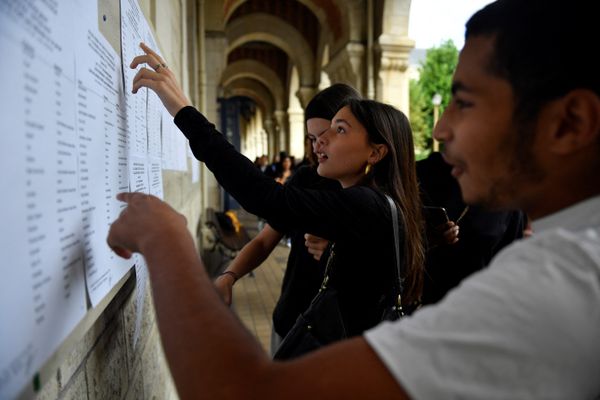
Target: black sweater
{"x": 303, "y": 274}
{"x": 357, "y": 219}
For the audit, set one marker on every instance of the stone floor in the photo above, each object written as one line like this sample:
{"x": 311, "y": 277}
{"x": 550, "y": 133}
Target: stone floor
{"x": 255, "y": 296}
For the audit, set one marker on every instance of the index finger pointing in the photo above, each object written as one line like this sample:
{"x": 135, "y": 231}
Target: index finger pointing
{"x": 126, "y": 197}
{"x": 151, "y": 52}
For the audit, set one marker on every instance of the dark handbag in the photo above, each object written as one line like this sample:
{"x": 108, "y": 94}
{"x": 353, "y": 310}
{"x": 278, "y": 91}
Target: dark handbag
{"x": 322, "y": 322}
{"x": 319, "y": 325}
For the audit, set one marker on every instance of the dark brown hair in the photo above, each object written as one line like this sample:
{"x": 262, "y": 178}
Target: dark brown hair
{"x": 543, "y": 48}
{"x": 326, "y": 104}
{"x": 328, "y": 101}
{"x": 396, "y": 176}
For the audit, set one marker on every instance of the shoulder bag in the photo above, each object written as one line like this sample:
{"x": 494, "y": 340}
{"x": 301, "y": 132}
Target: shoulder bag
{"x": 322, "y": 323}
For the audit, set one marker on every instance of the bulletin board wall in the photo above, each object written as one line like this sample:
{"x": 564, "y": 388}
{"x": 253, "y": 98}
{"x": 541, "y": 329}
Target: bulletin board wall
{"x": 72, "y": 136}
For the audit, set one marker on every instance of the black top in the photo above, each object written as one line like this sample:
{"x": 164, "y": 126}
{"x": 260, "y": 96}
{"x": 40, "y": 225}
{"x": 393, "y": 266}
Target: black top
{"x": 482, "y": 233}
{"x": 357, "y": 219}
{"x": 303, "y": 274}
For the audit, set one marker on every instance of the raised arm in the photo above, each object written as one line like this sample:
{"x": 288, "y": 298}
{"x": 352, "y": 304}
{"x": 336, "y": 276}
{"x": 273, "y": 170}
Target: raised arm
{"x": 326, "y": 213}
{"x": 160, "y": 79}
{"x": 249, "y": 258}
{"x": 210, "y": 354}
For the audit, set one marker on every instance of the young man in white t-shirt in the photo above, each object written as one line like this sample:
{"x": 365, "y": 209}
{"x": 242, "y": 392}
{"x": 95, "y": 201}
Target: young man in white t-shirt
{"x": 522, "y": 132}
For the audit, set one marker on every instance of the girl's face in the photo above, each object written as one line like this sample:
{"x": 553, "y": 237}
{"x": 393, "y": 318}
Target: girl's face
{"x": 315, "y": 127}
{"x": 343, "y": 150}
{"x": 287, "y": 163}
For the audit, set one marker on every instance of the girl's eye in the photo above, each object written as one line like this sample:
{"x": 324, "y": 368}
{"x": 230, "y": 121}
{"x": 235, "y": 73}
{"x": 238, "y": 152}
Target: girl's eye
{"x": 340, "y": 129}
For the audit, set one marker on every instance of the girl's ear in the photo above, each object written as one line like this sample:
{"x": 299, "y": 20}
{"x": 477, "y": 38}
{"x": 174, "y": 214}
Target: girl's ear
{"x": 378, "y": 152}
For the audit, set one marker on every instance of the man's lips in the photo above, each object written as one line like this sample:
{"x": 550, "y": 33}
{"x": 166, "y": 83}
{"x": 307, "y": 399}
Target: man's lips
{"x": 457, "y": 171}
{"x": 457, "y": 167}
{"x": 446, "y": 158}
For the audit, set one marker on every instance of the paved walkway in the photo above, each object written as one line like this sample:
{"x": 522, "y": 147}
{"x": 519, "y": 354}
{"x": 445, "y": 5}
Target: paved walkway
{"x": 254, "y": 297}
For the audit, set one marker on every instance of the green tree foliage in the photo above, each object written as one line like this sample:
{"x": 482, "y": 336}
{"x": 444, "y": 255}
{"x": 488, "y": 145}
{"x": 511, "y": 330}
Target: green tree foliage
{"x": 418, "y": 120}
{"x": 435, "y": 77}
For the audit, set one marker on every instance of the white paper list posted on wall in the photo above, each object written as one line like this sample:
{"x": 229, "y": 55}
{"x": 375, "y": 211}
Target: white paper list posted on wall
{"x": 42, "y": 292}
{"x": 103, "y": 135}
{"x": 67, "y": 134}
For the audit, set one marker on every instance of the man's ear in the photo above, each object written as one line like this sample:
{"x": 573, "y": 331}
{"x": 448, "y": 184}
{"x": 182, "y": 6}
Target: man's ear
{"x": 572, "y": 122}
{"x": 378, "y": 152}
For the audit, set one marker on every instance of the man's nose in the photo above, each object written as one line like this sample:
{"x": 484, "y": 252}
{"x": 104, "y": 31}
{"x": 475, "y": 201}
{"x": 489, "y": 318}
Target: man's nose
{"x": 441, "y": 130}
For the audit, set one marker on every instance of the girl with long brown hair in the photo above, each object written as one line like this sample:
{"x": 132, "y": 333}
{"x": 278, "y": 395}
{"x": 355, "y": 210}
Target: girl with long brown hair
{"x": 368, "y": 150}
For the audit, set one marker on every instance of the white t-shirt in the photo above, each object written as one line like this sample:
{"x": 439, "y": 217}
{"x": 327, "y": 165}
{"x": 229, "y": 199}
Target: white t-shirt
{"x": 527, "y": 327}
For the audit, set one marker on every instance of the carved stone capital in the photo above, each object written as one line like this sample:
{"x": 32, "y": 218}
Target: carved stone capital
{"x": 347, "y": 65}
{"x": 393, "y": 63}
{"x": 305, "y": 94}
{"x": 395, "y": 52}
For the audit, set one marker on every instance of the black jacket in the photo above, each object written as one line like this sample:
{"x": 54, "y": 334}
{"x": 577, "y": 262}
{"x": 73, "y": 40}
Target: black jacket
{"x": 357, "y": 219}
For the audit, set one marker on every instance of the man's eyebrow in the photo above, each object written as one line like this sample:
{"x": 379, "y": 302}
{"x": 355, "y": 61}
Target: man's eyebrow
{"x": 459, "y": 86}
{"x": 342, "y": 120}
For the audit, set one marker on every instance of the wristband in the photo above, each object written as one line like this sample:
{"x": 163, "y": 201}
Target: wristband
{"x": 233, "y": 274}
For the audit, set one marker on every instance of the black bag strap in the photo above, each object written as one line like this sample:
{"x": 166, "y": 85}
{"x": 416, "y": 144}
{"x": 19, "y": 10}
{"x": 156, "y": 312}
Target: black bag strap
{"x": 399, "y": 263}
{"x": 328, "y": 268}
{"x": 325, "y": 277}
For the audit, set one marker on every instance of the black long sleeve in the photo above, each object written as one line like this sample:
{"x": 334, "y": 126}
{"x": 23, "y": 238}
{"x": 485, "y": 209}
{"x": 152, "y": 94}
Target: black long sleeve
{"x": 331, "y": 214}
{"x": 357, "y": 219}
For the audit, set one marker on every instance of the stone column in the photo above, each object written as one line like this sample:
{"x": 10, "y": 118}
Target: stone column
{"x": 296, "y": 147}
{"x": 393, "y": 82}
{"x": 213, "y": 54}
{"x": 255, "y": 137}
{"x": 270, "y": 137}
{"x": 264, "y": 142}
{"x": 282, "y": 129}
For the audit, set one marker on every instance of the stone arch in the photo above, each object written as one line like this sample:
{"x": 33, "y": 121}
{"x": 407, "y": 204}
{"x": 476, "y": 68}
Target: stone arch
{"x": 347, "y": 57}
{"x": 253, "y": 89}
{"x": 268, "y": 137}
{"x": 333, "y": 26}
{"x": 229, "y": 8}
{"x": 330, "y": 15}
{"x": 267, "y": 28}
{"x": 262, "y": 97}
{"x": 258, "y": 71}
{"x": 355, "y": 14}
